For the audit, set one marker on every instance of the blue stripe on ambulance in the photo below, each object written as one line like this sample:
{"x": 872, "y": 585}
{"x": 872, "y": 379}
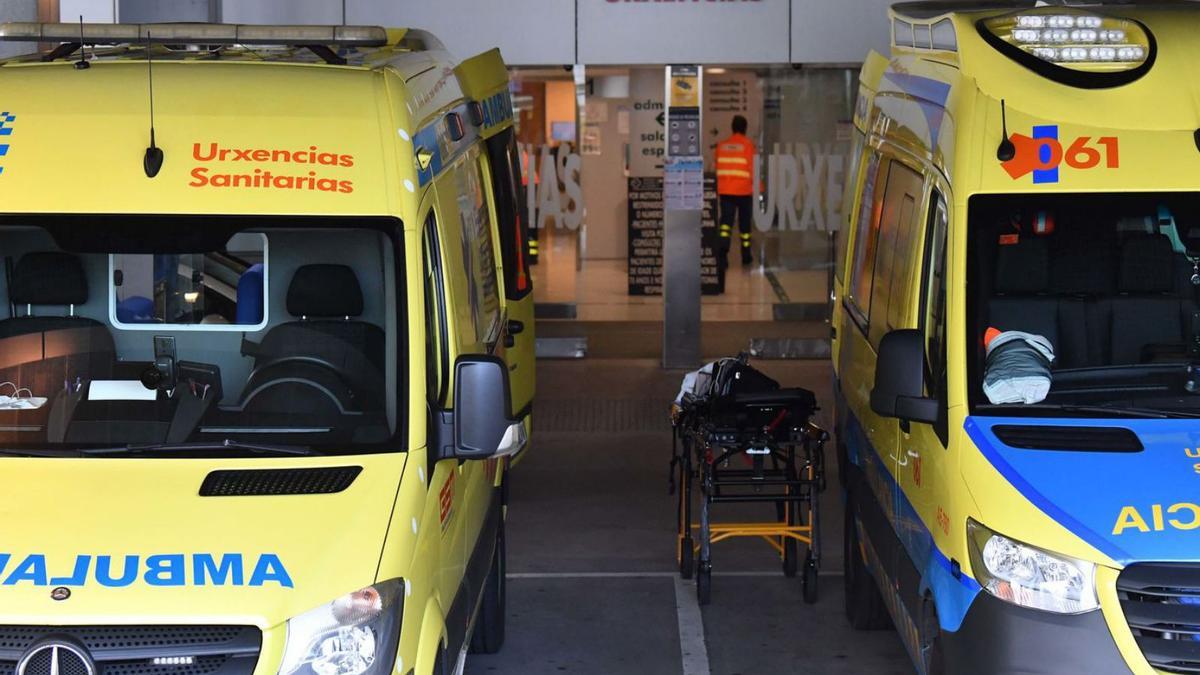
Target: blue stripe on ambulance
{"x": 952, "y": 594}
{"x": 1131, "y": 506}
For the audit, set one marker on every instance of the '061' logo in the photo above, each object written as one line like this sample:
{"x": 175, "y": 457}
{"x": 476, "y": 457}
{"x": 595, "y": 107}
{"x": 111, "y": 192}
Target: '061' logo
{"x": 1043, "y": 153}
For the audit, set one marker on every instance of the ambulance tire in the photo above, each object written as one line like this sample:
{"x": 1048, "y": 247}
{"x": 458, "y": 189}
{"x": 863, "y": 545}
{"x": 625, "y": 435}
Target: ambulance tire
{"x": 488, "y": 637}
{"x": 930, "y": 640}
{"x": 864, "y": 605}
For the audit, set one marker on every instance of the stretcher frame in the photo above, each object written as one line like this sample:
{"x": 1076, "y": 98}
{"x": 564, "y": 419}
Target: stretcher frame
{"x": 702, "y": 453}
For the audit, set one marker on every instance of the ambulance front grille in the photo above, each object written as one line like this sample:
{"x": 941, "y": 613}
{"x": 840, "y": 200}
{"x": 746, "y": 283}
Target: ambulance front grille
{"x": 1161, "y": 603}
{"x": 145, "y": 650}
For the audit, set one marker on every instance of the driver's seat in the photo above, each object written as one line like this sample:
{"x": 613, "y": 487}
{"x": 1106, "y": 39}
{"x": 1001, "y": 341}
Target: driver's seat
{"x": 325, "y": 335}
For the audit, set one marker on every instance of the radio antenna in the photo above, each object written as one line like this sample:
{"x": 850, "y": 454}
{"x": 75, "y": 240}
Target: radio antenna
{"x": 1007, "y": 150}
{"x": 82, "y": 63}
{"x": 153, "y": 160}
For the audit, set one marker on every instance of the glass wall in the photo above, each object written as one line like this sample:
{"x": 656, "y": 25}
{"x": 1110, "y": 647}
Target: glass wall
{"x": 592, "y": 143}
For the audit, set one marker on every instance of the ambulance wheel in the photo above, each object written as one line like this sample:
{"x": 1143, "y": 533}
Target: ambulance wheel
{"x": 687, "y": 558}
{"x": 790, "y": 557}
{"x": 930, "y": 640}
{"x": 864, "y": 605}
{"x": 809, "y": 582}
{"x": 704, "y": 584}
{"x": 488, "y": 637}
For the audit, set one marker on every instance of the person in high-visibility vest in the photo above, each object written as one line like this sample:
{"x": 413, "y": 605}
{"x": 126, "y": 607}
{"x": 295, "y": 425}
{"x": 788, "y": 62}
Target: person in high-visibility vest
{"x": 735, "y": 187}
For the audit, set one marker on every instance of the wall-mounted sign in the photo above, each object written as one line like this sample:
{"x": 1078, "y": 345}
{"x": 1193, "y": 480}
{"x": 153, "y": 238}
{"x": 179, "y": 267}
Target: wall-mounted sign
{"x": 646, "y": 236}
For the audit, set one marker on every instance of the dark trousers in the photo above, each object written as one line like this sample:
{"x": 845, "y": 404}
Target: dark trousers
{"x": 733, "y": 209}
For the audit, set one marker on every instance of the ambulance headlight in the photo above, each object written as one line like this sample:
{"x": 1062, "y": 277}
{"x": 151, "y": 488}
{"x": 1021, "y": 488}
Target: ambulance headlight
{"x": 1073, "y": 46}
{"x": 356, "y": 634}
{"x": 1028, "y": 576}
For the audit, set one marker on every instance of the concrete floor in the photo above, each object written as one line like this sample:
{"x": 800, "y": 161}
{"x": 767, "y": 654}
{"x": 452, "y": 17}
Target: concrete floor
{"x": 592, "y": 583}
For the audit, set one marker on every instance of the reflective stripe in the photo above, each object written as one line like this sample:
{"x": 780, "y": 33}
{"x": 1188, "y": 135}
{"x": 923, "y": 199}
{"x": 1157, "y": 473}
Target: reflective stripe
{"x": 726, "y": 227}
{"x": 746, "y": 236}
{"x": 732, "y": 160}
{"x": 739, "y": 173}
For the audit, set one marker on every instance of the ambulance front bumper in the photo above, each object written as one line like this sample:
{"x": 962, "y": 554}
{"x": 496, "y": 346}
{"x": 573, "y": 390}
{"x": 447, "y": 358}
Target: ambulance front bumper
{"x": 999, "y": 637}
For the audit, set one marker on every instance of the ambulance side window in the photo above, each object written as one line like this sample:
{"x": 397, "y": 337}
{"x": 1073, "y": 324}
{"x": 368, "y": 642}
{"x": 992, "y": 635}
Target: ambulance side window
{"x": 478, "y": 252}
{"x": 895, "y": 251}
{"x": 933, "y": 310}
{"x": 510, "y": 201}
{"x": 844, "y": 226}
{"x": 866, "y": 236}
{"x": 437, "y": 351}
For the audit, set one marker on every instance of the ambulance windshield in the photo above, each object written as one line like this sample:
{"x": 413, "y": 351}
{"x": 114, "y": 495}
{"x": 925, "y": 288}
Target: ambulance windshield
{"x": 233, "y": 334}
{"x": 1085, "y": 300}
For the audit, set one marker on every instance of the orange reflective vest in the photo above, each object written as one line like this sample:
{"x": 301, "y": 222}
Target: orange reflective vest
{"x": 735, "y": 166}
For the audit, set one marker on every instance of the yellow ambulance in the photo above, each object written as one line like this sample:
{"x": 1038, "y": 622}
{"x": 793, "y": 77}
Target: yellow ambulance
{"x": 266, "y": 350}
{"x": 1016, "y": 338}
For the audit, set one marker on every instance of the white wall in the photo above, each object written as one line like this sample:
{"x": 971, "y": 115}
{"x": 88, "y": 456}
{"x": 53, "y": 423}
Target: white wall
{"x": 543, "y": 32}
{"x": 528, "y": 32}
{"x": 669, "y": 32}
{"x": 284, "y": 11}
{"x": 839, "y": 32}
{"x": 92, "y": 11}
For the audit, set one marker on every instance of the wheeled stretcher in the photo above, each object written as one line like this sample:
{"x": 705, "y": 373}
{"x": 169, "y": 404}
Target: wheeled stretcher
{"x": 742, "y": 438}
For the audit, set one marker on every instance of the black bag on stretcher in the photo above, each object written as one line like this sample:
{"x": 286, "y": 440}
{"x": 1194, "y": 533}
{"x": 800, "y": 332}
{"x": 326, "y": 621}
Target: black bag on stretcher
{"x": 732, "y": 397}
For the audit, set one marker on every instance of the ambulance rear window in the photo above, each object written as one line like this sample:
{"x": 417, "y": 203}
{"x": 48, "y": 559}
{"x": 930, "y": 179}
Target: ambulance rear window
{"x": 225, "y": 289}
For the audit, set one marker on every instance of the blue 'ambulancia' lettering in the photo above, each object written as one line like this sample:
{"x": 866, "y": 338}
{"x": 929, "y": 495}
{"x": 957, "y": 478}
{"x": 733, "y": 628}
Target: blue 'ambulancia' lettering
{"x": 165, "y": 570}
{"x": 161, "y": 569}
{"x": 269, "y": 568}
{"x": 32, "y": 568}
{"x": 228, "y": 572}
{"x": 104, "y": 571}
{"x": 78, "y": 576}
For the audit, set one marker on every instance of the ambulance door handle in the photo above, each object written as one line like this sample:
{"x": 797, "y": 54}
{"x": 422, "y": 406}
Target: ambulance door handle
{"x": 515, "y": 327}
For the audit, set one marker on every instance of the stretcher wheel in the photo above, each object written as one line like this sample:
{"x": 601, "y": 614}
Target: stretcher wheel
{"x": 704, "y": 584}
{"x": 809, "y": 581}
{"x": 687, "y": 559}
{"x": 791, "y": 557}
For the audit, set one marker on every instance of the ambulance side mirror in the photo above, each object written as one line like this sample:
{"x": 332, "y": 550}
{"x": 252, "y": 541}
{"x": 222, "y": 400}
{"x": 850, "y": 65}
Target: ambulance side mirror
{"x": 900, "y": 379}
{"x": 483, "y": 427}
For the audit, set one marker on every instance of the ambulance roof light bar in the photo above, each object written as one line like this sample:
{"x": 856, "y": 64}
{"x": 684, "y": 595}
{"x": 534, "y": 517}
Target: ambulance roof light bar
{"x": 194, "y": 33}
{"x": 1072, "y": 46}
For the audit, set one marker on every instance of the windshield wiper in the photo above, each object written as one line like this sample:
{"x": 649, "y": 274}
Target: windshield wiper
{"x": 27, "y": 452}
{"x": 1091, "y": 410}
{"x": 151, "y": 448}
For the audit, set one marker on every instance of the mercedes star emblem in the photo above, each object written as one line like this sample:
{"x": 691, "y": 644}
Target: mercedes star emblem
{"x": 56, "y": 657}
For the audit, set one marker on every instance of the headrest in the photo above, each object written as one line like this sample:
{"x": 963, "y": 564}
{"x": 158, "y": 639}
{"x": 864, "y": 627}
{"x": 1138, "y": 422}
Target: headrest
{"x": 48, "y": 278}
{"x": 1147, "y": 264}
{"x": 324, "y": 291}
{"x": 1023, "y": 266}
{"x": 1084, "y": 266}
